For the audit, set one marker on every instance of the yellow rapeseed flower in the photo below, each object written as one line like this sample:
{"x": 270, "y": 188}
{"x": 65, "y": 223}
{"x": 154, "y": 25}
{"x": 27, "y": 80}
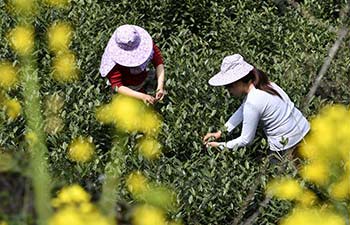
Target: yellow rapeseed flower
{"x": 57, "y": 3}
{"x": 65, "y": 69}
{"x": 148, "y": 215}
{"x": 105, "y": 114}
{"x": 307, "y": 198}
{"x": 31, "y": 137}
{"x": 13, "y": 108}
{"x": 149, "y": 148}
{"x": 127, "y": 112}
{"x": 75, "y": 216}
{"x": 8, "y": 75}
{"x": 284, "y": 188}
{"x": 81, "y": 150}
{"x": 59, "y": 36}
{"x": 71, "y": 195}
{"x": 137, "y": 183}
{"x": 341, "y": 189}
{"x": 53, "y": 125}
{"x": 129, "y": 115}
{"x": 328, "y": 138}
{"x": 22, "y": 39}
{"x": 151, "y": 123}
{"x": 312, "y": 216}
{"x": 316, "y": 172}
{"x": 74, "y": 208}
{"x": 26, "y": 7}
{"x": 53, "y": 104}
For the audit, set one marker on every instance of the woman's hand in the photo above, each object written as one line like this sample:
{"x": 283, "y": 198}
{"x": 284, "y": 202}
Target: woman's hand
{"x": 148, "y": 99}
{"x": 159, "y": 94}
{"x": 212, "y": 144}
{"x": 215, "y": 135}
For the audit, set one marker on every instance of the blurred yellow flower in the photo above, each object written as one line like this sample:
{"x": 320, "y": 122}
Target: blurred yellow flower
{"x": 129, "y": 115}
{"x": 13, "y": 108}
{"x": 137, "y": 183}
{"x": 59, "y": 36}
{"x": 57, "y": 3}
{"x": 3, "y": 222}
{"x": 53, "y": 124}
{"x": 26, "y": 7}
{"x": 149, "y": 148}
{"x": 65, "y": 68}
{"x": 341, "y": 189}
{"x": 284, "y": 188}
{"x": 328, "y": 138}
{"x": 105, "y": 113}
{"x": 151, "y": 123}
{"x": 312, "y": 216}
{"x": 71, "y": 195}
{"x": 81, "y": 150}
{"x": 316, "y": 172}
{"x": 74, "y": 208}
{"x": 75, "y": 216}
{"x": 31, "y": 138}
{"x": 22, "y": 39}
{"x": 307, "y": 198}
{"x": 53, "y": 104}
{"x": 327, "y": 153}
{"x": 127, "y": 112}
{"x": 148, "y": 215}
{"x": 8, "y": 75}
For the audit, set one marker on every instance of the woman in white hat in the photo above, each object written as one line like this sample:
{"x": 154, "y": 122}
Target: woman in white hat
{"x": 265, "y": 103}
{"x": 125, "y": 60}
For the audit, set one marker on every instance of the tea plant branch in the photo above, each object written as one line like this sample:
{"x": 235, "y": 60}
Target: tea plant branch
{"x": 341, "y": 34}
{"x": 343, "y": 31}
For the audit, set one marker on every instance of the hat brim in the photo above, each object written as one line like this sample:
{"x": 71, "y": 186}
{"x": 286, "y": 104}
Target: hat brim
{"x": 228, "y": 77}
{"x": 135, "y": 57}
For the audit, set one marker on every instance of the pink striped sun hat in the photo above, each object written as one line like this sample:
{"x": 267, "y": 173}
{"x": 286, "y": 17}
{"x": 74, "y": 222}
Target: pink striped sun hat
{"x": 232, "y": 69}
{"x": 129, "y": 46}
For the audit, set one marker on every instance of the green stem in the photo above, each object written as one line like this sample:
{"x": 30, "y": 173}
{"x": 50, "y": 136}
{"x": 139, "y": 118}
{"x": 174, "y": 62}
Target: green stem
{"x": 37, "y": 145}
{"x": 113, "y": 172}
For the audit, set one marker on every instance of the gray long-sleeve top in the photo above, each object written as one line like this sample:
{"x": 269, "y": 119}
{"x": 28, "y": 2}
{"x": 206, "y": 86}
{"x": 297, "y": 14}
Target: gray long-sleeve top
{"x": 280, "y": 119}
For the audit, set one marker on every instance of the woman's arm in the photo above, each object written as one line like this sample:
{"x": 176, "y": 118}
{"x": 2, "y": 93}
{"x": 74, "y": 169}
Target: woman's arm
{"x": 251, "y": 117}
{"x": 160, "y": 82}
{"x": 235, "y": 119}
{"x": 115, "y": 79}
{"x": 135, "y": 94}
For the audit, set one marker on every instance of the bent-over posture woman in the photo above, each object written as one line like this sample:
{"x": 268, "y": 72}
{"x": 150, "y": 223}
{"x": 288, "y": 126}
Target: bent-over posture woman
{"x": 265, "y": 103}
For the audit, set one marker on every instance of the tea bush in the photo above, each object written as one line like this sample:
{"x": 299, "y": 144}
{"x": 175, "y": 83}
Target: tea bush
{"x": 194, "y": 36}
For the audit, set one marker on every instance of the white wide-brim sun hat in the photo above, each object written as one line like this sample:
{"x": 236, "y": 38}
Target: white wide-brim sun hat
{"x": 129, "y": 46}
{"x": 232, "y": 69}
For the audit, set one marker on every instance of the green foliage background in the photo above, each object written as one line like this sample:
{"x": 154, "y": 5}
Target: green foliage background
{"x": 194, "y": 36}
